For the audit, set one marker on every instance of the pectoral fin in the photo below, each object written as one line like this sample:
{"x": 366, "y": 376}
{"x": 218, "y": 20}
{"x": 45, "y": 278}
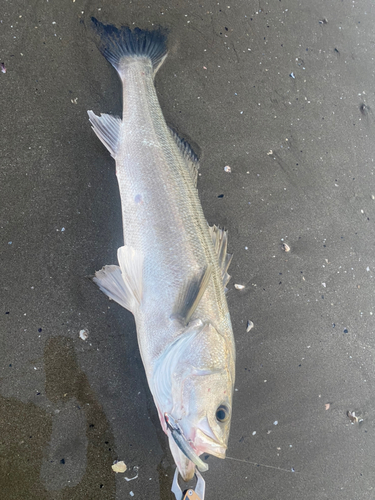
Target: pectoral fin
{"x": 123, "y": 283}
{"x": 191, "y": 295}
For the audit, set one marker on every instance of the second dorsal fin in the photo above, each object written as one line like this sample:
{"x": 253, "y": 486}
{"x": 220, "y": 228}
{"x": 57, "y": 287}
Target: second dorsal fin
{"x": 188, "y": 154}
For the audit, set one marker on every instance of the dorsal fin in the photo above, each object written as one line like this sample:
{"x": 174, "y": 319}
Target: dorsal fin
{"x": 191, "y": 295}
{"x": 220, "y": 241}
{"x": 188, "y": 154}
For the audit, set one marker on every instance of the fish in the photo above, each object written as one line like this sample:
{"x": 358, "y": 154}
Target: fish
{"x": 172, "y": 270}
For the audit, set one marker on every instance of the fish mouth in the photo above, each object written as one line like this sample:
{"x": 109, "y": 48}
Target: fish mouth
{"x": 206, "y": 444}
{"x": 183, "y": 452}
{"x": 183, "y": 444}
{"x": 186, "y": 454}
{"x": 185, "y": 467}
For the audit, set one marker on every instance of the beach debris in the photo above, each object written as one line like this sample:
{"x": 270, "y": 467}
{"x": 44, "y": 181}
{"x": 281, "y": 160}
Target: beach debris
{"x": 249, "y": 325}
{"x": 239, "y": 287}
{"x": 227, "y": 169}
{"x": 135, "y": 469}
{"x": 119, "y": 466}
{"x": 292, "y": 75}
{"x": 3, "y": 68}
{"x": 270, "y": 152}
{"x": 364, "y": 109}
{"x": 323, "y": 21}
{"x": 275, "y": 422}
{"x": 285, "y": 247}
{"x": 327, "y": 406}
{"x": 83, "y": 334}
{"x": 354, "y": 418}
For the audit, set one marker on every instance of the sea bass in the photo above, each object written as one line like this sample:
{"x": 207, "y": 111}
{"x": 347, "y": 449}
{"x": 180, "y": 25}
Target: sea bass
{"x": 172, "y": 270}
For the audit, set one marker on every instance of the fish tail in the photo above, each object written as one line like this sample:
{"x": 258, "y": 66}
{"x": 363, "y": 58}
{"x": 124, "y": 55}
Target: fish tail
{"x": 118, "y": 43}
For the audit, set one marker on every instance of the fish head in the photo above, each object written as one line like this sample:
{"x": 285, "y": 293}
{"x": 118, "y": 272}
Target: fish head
{"x": 200, "y": 398}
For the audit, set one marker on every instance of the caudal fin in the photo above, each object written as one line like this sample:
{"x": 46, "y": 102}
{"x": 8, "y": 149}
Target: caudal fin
{"x": 118, "y": 43}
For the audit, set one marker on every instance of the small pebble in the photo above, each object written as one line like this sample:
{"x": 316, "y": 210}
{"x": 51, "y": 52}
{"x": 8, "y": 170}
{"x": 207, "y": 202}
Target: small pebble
{"x": 285, "y": 247}
{"x": 84, "y": 335}
{"x": 249, "y": 326}
{"x": 119, "y": 466}
{"x": 239, "y": 287}
{"x": 227, "y": 169}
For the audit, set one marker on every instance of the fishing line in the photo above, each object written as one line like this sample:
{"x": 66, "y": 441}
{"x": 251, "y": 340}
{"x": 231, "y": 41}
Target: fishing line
{"x": 262, "y": 465}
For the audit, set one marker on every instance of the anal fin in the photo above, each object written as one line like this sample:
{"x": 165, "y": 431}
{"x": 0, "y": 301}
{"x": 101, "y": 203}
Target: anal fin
{"x": 123, "y": 283}
{"x": 107, "y": 128}
{"x": 191, "y": 295}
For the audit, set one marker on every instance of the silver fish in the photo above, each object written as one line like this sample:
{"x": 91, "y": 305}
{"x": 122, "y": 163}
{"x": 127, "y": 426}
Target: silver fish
{"x": 172, "y": 269}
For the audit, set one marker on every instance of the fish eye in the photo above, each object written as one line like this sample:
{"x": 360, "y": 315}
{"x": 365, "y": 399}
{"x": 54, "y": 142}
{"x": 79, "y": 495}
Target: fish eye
{"x": 222, "y": 413}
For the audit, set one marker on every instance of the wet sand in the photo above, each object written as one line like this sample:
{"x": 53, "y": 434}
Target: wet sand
{"x": 282, "y": 92}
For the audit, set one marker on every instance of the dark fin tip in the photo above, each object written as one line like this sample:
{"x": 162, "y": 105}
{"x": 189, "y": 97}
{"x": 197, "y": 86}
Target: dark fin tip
{"x": 115, "y": 43}
{"x": 190, "y": 296}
